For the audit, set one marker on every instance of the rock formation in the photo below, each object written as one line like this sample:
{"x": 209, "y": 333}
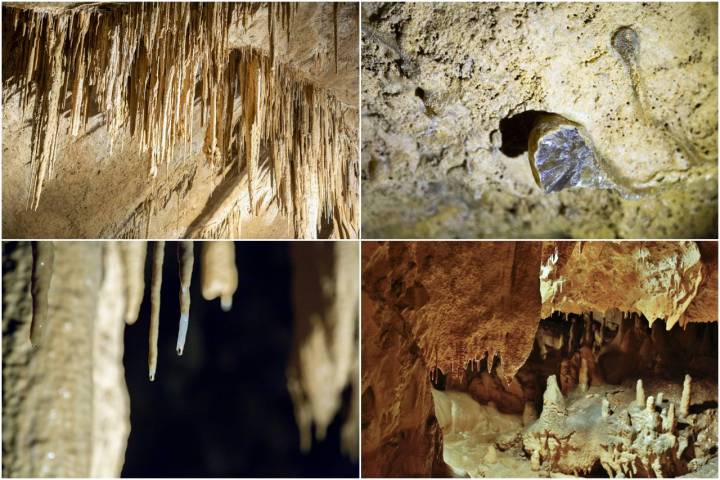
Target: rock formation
{"x": 65, "y": 400}
{"x": 212, "y": 114}
{"x": 463, "y": 103}
{"x": 595, "y": 368}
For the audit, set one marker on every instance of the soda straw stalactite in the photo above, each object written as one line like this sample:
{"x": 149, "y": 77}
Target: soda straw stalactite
{"x": 186, "y": 260}
{"x": 155, "y": 284}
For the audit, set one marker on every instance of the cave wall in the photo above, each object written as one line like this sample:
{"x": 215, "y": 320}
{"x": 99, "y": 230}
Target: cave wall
{"x": 672, "y": 281}
{"x": 465, "y": 315}
{"x": 101, "y": 188}
{"x": 439, "y": 78}
{"x": 65, "y": 403}
{"x": 436, "y": 306}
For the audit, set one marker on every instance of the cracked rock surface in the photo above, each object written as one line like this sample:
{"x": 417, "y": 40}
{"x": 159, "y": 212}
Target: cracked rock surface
{"x": 439, "y": 78}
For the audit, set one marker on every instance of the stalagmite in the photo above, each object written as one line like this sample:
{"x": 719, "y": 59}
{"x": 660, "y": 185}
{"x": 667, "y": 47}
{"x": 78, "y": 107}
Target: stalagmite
{"x": 639, "y": 394}
{"x": 42, "y": 270}
{"x": 219, "y": 277}
{"x": 185, "y": 260}
{"x": 133, "y": 257}
{"x": 583, "y": 375}
{"x": 685, "y": 398}
{"x": 659, "y": 399}
{"x": 155, "y": 285}
{"x": 605, "y": 409}
{"x": 650, "y": 404}
{"x": 553, "y": 398}
{"x": 535, "y": 460}
{"x": 669, "y": 420}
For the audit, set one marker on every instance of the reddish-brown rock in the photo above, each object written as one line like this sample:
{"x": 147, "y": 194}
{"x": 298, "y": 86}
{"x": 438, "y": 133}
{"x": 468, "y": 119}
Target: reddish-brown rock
{"x": 430, "y": 305}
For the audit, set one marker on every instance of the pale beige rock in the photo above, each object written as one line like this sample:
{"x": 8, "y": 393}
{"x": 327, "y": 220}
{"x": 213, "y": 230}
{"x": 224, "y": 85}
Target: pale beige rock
{"x": 439, "y": 78}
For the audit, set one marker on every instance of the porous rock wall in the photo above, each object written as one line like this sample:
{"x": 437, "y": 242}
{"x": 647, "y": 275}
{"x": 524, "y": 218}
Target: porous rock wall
{"x": 438, "y": 79}
{"x": 660, "y": 280}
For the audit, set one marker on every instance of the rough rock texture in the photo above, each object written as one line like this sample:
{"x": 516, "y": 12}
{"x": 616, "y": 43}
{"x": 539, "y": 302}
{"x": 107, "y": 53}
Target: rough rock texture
{"x": 574, "y": 435}
{"x": 399, "y": 432}
{"x": 441, "y": 83}
{"x": 657, "y": 279}
{"x": 99, "y": 191}
{"x": 65, "y": 404}
{"x": 428, "y": 307}
{"x": 436, "y": 306}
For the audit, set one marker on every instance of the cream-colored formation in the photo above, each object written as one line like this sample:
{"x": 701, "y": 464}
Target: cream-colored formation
{"x": 65, "y": 402}
{"x": 147, "y": 66}
{"x": 43, "y": 260}
{"x": 324, "y": 356}
{"x": 219, "y": 272}
{"x": 155, "y": 286}
{"x": 659, "y": 279}
{"x": 186, "y": 260}
{"x": 619, "y": 392}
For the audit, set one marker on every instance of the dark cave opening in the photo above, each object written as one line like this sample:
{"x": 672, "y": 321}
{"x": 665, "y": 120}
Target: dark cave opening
{"x": 515, "y": 131}
{"x": 625, "y": 346}
{"x": 222, "y": 409}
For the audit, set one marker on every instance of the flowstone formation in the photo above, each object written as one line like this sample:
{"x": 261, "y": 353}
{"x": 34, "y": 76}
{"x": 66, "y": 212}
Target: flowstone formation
{"x": 605, "y": 363}
{"x": 66, "y": 408}
{"x": 539, "y": 120}
{"x": 214, "y": 115}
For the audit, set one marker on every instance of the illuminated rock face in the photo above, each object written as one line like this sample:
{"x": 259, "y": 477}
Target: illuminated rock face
{"x": 439, "y": 81}
{"x": 597, "y": 389}
{"x": 155, "y": 122}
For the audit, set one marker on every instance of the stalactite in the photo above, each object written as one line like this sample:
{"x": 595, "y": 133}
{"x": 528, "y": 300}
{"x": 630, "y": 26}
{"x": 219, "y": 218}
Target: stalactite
{"x": 335, "y": 33}
{"x": 42, "y": 270}
{"x": 219, "y": 275}
{"x": 133, "y": 257}
{"x": 141, "y": 64}
{"x": 155, "y": 285}
{"x": 186, "y": 260}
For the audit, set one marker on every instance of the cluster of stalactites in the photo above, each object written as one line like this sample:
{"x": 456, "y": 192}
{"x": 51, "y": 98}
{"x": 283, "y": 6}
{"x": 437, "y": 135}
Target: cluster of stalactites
{"x": 142, "y": 62}
{"x": 218, "y": 278}
{"x": 310, "y": 148}
{"x": 139, "y": 62}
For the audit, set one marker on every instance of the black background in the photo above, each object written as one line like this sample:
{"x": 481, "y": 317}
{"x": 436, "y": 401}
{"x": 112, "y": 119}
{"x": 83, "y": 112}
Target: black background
{"x": 222, "y": 409}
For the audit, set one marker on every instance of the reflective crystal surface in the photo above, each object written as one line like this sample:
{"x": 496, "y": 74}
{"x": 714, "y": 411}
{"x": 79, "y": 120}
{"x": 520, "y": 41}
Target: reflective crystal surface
{"x": 563, "y": 159}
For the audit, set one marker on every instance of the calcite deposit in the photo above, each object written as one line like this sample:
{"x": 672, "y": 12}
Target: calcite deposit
{"x": 199, "y": 120}
{"x": 451, "y": 94}
{"x": 539, "y": 359}
{"x": 65, "y": 402}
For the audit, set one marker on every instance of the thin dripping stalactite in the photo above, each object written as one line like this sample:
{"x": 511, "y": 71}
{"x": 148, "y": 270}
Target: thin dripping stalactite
{"x": 66, "y": 403}
{"x": 152, "y": 69}
{"x": 335, "y": 34}
{"x": 186, "y": 259}
{"x": 43, "y": 259}
{"x": 155, "y": 285}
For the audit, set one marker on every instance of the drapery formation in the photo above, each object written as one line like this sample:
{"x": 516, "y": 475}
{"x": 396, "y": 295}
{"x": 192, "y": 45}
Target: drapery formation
{"x": 147, "y": 67}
